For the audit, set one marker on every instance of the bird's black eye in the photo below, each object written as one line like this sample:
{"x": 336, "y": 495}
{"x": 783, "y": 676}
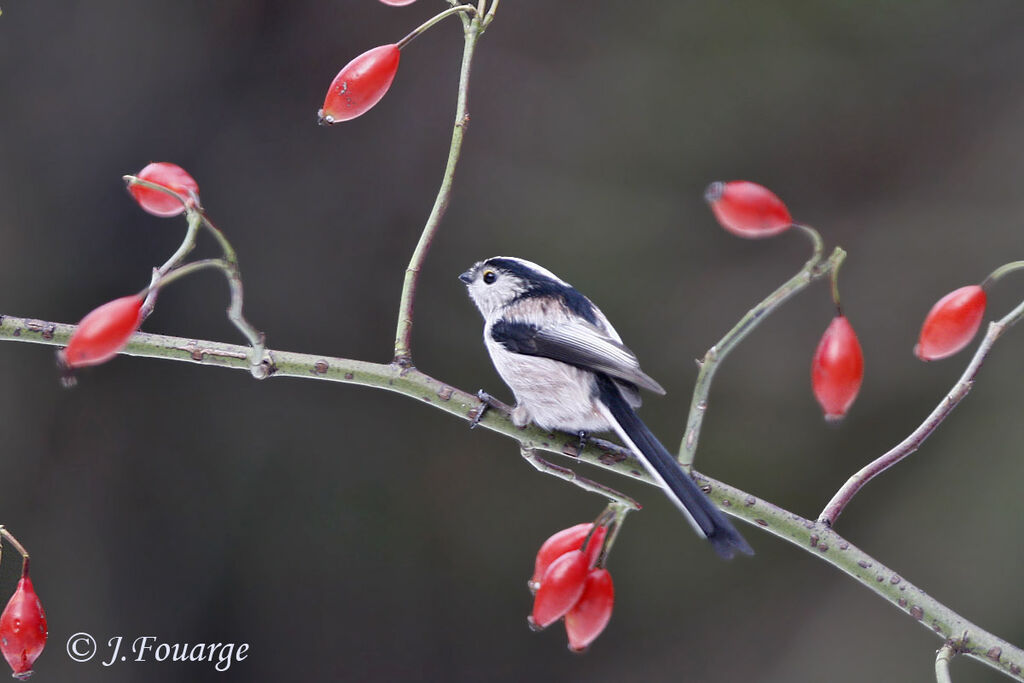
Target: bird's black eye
{"x": 489, "y": 277}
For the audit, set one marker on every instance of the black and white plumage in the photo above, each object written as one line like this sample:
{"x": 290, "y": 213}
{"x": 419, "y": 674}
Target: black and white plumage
{"x": 570, "y": 371}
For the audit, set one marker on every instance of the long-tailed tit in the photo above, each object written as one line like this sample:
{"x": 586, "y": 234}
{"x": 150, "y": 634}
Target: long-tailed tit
{"x": 570, "y": 371}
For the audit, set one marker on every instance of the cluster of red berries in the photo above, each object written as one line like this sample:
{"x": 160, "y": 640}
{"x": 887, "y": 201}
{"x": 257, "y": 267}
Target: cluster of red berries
{"x": 105, "y": 331}
{"x": 752, "y": 211}
{"x": 568, "y": 582}
{"x": 22, "y": 624}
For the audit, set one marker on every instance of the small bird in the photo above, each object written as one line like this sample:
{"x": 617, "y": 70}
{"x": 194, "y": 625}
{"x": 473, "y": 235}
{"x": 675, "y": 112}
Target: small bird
{"x": 570, "y": 371}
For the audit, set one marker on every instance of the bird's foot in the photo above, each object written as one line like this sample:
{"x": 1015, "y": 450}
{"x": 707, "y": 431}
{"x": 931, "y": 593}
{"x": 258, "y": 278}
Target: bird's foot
{"x": 486, "y": 401}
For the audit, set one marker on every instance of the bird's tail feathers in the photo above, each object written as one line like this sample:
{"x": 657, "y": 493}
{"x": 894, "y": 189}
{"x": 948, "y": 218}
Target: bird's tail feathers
{"x": 706, "y": 519}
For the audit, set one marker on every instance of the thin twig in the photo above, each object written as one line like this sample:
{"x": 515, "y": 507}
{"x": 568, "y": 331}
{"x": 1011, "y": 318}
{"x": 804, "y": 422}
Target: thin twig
{"x": 942, "y": 659}
{"x": 490, "y": 14}
{"x": 566, "y": 474}
{"x": 260, "y": 369}
{"x": 406, "y": 305}
{"x": 813, "y": 269}
{"x": 416, "y": 32}
{"x": 261, "y": 363}
{"x": 914, "y": 440}
{"x": 1000, "y": 272}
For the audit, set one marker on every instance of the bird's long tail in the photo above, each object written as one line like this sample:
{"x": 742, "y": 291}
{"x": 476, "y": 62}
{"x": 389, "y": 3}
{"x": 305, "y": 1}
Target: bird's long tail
{"x": 681, "y": 489}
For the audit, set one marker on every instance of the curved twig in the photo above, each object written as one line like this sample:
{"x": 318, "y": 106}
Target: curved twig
{"x": 913, "y": 441}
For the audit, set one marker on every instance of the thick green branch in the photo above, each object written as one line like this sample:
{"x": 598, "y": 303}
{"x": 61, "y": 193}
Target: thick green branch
{"x": 813, "y": 537}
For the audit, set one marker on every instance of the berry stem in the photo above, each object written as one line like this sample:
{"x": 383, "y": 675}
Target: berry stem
{"x": 406, "y": 305}
{"x": 914, "y": 440}
{"x": 813, "y": 269}
{"x": 489, "y": 17}
{"x": 834, "y": 277}
{"x": 999, "y": 272}
{"x": 6, "y": 535}
{"x": 618, "y": 513}
{"x": 529, "y": 453}
{"x": 807, "y": 535}
{"x": 190, "y": 268}
{"x": 430, "y": 22}
{"x": 187, "y": 245}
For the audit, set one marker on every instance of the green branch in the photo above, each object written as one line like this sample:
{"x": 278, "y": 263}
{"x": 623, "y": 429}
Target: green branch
{"x": 811, "y": 536}
{"x": 406, "y": 305}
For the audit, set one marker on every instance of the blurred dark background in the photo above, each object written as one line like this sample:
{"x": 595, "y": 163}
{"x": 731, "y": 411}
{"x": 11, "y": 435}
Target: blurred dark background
{"x": 355, "y": 535}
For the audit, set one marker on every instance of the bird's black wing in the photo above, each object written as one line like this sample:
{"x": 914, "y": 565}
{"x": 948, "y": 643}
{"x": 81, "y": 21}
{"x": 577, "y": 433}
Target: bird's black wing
{"x": 575, "y": 343}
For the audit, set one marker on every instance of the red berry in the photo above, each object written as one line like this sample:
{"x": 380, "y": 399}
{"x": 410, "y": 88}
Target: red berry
{"x": 103, "y": 332}
{"x": 557, "y": 545}
{"x": 561, "y": 543}
{"x": 748, "y": 209}
{"x": 171, "y": 176}
{"x": 560, "y": 588}
{"x": 360, "y": 84}
{"x": 594, "y": 547}
{"x": 952, "y": 323}
{"x": 588, "y": 617}
{"x": 837, "y": 369}
{"x": 23, "y": 629}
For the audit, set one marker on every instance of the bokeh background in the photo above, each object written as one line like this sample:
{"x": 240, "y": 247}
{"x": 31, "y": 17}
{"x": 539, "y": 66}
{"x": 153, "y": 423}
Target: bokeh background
{"x": 353, "y": 535}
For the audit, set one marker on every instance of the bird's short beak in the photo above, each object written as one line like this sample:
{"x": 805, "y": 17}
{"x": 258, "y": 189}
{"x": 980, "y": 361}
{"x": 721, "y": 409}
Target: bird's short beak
{"x": 467, "y": 277}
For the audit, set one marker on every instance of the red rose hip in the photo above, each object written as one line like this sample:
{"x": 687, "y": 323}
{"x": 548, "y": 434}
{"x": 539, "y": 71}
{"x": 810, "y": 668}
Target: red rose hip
{"x": 360, "y": 84}
{"x": 23, "y": 629}
{"x": 174, "y": 178}
{"x": 837, "y": 369}
{"x": 560, "y": 588}
{"x": 557, "y": 545}
{"x": 589, "y": 616}
{"x": 103, "y": 332}
{"x": 952, "y": 323}
{"x": 564, "y": 541}
{"x": 747, "y": 209}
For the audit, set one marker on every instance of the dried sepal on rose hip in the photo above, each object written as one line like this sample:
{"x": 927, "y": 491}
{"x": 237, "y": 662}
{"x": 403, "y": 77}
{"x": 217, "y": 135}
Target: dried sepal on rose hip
{"x": 560, "y": 588}
{"x": 171, "y": 176}
{"x": 747, "y": 209}
{"x": 103, "y": 332}
{"x": 360, "y": 84}
{"x": 592, "y": 612}
{"x": 562, "y": 542}
{"x": 23, "y": 628}
{"x": 837, "y": 369}
{"x": 951, "y": 323}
